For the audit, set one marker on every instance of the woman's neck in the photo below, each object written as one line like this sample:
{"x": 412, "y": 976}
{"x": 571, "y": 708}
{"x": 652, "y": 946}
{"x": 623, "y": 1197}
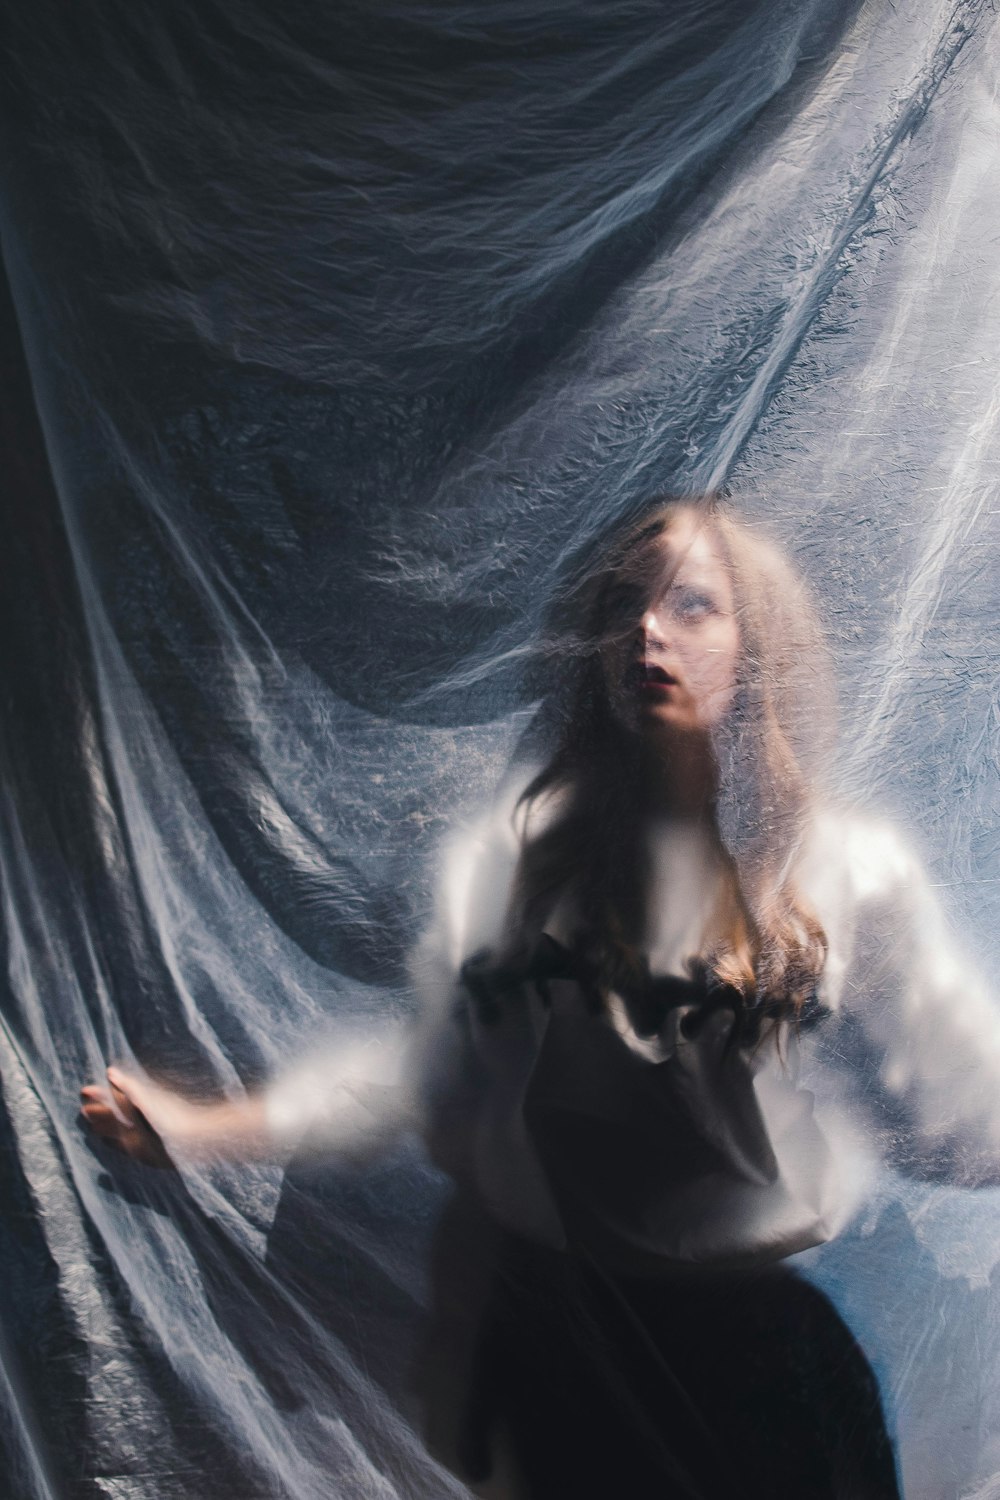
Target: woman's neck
{"x": 678, "y": 780}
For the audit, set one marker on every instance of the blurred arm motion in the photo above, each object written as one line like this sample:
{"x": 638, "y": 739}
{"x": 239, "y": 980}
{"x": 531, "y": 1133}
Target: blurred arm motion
{"x": 916, "y": 1030}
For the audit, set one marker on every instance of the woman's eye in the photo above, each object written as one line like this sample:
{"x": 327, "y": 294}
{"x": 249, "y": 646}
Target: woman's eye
{"x": 691, "y": 605}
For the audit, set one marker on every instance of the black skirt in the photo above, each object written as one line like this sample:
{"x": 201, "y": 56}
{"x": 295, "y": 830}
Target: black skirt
{"x": 742, "y": 1386}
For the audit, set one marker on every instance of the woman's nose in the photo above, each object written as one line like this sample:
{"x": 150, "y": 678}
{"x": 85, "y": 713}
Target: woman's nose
{"x": 654, "y": 628}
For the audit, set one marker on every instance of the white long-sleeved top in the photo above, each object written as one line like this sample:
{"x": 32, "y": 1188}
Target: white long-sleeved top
{"x": 672, "y": 1147}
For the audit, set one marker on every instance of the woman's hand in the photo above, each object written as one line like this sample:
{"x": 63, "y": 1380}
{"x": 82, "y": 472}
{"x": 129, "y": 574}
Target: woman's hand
{"x": 123, "y": 1113}
{"x": 143, "y": 1119}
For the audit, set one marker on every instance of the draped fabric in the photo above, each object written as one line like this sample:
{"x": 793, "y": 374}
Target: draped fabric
{"x": 332, "y": 334}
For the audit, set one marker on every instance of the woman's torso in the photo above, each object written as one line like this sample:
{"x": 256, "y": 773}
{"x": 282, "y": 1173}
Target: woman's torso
{"x": 662, "y": 1129}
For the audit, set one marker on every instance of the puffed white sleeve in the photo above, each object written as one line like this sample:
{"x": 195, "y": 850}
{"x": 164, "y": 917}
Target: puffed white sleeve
{"x": 353, "y": 1097}
{"x": 921, "y": 1027}
{"x": 478, "y": 870}
{"x": 349, "y": 1098}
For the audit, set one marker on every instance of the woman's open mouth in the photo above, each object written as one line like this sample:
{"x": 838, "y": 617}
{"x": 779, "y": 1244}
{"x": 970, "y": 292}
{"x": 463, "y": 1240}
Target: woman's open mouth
{"x": 654, "y": 679}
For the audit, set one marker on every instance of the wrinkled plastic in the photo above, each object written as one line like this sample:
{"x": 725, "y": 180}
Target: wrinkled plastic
{"x": 347, "y": 330}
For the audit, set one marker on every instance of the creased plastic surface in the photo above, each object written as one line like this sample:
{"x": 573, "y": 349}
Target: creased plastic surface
{"x": 345, "y": 327}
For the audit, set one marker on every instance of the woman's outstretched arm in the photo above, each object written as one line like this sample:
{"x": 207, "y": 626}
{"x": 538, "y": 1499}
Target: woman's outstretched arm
{"x": 925, "y": 1028}
{"x": 352, "y": 1097}
{"x": 348, "y": 1100}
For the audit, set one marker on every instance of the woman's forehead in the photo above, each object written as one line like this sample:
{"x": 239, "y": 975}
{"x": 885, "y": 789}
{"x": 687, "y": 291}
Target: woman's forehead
{"x": 685, "y": 552}
{"x": 690, "y": 553}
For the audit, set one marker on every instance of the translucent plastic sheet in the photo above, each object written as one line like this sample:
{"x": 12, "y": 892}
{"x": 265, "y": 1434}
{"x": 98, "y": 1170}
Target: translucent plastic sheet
{"x": 346, "y": 328}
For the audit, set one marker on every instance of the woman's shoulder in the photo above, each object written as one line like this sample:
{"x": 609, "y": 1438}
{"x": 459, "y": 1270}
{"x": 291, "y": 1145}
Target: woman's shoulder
{"x": 869, "y": 889}
{"x": 861, "y": 855}
{"x": 492, "y": 837}
{"x": 478, "y": 863}
{"x": 881, "y": 886}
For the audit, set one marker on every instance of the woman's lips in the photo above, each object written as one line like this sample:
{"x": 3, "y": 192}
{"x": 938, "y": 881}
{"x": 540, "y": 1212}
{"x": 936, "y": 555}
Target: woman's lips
{"x": 654, "y": 680}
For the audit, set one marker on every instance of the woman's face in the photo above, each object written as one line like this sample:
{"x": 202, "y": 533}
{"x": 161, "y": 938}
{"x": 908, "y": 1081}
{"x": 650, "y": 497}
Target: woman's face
{"x": 674, "y": 670}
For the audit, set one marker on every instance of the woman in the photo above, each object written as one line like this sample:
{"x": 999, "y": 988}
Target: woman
{"x": 639, "y": 962}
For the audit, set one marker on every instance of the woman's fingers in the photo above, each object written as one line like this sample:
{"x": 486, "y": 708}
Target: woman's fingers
{"x": 102, "y": 1118}
{"x": 130, "y": 1093}
{"x": 98, "y": 1107}
{"x": 116, "y": 1116}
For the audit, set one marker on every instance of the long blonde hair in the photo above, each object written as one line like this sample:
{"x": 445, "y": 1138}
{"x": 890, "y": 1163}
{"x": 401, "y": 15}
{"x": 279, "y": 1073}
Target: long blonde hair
{"x": 767, "y": 944}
